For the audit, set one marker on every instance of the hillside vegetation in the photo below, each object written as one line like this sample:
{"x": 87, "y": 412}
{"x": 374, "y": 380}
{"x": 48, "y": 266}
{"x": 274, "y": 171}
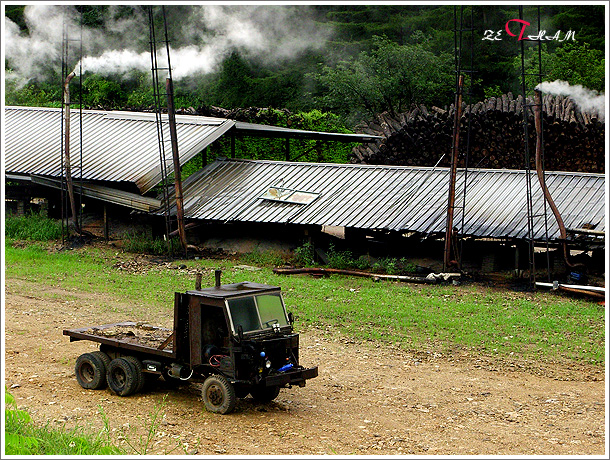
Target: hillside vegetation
{"x": 368, "y": 59}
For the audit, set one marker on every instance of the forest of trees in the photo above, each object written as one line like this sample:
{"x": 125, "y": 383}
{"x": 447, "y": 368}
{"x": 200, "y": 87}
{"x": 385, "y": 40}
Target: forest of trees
{"x": 375, "y": 58}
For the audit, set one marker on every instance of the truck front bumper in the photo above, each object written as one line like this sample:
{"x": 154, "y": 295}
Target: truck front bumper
{"x": 294, "y": 377}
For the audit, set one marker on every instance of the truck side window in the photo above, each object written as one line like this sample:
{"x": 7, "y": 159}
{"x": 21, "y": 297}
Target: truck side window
{"x": 243, "y": 312}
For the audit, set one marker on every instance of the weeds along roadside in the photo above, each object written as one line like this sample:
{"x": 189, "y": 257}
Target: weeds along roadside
{"x": 24, "y": 436}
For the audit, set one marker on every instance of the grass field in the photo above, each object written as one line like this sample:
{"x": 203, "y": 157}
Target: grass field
{"x": 539, "y": 326}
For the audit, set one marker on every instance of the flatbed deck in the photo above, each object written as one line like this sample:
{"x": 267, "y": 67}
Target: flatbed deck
{"x": 128, "y": 335}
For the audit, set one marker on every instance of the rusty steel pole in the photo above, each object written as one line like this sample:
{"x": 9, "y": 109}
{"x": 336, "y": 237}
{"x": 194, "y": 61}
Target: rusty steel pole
{"x": 453, "y": 173}
{"x": 537, "y": 107}
{"x": 171, "y": 113}
{"x": 67, "y": 150}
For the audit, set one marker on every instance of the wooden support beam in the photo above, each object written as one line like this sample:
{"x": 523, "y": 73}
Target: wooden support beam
{"x": 106, "y": 223}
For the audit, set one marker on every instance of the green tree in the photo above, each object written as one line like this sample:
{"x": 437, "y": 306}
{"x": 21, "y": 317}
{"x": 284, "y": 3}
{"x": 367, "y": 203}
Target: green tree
{"x": 578, "y": 64}
{"x": 141, "y": 94}
{"x": 388, "y": 78}
{"x": 587, "y": 21}
{"x": 234, "y": 82}
{"x": 36, "y": 94}
{"x": 101, "y": 91}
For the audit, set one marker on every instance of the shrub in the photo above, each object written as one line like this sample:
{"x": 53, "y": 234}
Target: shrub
{"x": 304, "y": 255}
{"x": 139, "y": 242}
{"x": 32, "y": 227}
{"x": 342, "y": 260}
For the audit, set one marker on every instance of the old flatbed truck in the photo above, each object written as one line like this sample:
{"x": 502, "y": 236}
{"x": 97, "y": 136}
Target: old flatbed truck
{"x": 235, "y": 338}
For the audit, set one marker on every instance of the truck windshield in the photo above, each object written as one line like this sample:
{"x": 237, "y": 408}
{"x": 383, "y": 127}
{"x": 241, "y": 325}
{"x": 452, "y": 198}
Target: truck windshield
{"x": 257, "y": 312}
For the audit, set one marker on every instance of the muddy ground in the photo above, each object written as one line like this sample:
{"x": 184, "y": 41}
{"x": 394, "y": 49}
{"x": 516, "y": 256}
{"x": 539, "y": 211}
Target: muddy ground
{"x": 368, "y": 399}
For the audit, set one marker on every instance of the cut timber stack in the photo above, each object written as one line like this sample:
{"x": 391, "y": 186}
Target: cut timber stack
{"x": 574, "y": 140}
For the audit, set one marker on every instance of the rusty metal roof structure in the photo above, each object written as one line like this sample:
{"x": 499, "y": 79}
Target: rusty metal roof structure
{"x": 120, "y": 146}
{"x": 398, "y": 198}
{"x": 108, "y": 194}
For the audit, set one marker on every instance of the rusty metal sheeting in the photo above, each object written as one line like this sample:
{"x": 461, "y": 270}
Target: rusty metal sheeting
{"x": 117, "y": 146}
{"x": 399, "y": 198}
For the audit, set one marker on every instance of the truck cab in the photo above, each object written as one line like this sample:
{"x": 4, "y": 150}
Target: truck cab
{"x": 243, "y": 333}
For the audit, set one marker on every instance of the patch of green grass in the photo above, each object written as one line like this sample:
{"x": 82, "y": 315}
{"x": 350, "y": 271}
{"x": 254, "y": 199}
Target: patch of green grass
{"x": 32, "y": 227}
{"x": 24, "y": 437}
{"x": 265, "y": 258}
{"x": 444, "y": 318}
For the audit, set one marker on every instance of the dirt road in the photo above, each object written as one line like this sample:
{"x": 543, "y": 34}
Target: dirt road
{"x": 368, "y": 399}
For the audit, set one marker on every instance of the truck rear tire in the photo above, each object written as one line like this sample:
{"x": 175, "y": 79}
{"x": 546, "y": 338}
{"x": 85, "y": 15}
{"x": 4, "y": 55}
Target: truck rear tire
{"x": 218, "y": 395}
{"x": 104, "y": 357}
{"x": 139, "y": 374}
{"x": 122, "y": 377}
{"x": 90, "y": 371}
{"x": 265, "y": 394}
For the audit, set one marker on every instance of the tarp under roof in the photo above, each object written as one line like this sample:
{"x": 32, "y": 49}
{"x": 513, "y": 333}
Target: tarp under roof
{"x": 398, "y": 198}
{"x": 120, "y": 146}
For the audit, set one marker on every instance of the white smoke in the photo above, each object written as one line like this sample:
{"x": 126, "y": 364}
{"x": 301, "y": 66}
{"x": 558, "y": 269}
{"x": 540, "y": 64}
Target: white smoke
{"x": 31, "y": 53}
{"x": 268, "y": 33}
{"x": 586, "y": 99}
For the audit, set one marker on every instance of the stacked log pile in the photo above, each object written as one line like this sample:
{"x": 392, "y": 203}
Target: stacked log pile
{"x": 574, "y": 139}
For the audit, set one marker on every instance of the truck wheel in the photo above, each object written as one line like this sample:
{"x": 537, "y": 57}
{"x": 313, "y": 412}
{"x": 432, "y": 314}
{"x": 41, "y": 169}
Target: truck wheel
{"x": 90, "y": 371}
{"x": 218, "y": 394}
{"x": 137, "y": 364}
{"x": 104, "y": 357}
{"x": 265, "y": 394}
{"x": 122, "y": 377}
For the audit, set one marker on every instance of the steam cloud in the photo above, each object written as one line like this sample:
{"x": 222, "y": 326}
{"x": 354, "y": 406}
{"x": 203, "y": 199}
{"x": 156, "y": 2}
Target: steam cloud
{"x": 586, "y": 99}
{"x": 267, "y": 33}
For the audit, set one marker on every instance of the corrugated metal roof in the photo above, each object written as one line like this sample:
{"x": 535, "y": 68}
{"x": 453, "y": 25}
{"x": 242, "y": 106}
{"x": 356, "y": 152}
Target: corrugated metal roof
{"x": 399, "y": 198}
{"x": 119, "y": 146}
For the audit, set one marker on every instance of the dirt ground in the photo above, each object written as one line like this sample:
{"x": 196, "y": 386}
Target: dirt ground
{"x": 369, "y": 399}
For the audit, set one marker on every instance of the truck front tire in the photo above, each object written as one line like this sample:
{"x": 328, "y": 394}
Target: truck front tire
{"x": 218, "y": 395}
{"x": 90, "y": 371}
